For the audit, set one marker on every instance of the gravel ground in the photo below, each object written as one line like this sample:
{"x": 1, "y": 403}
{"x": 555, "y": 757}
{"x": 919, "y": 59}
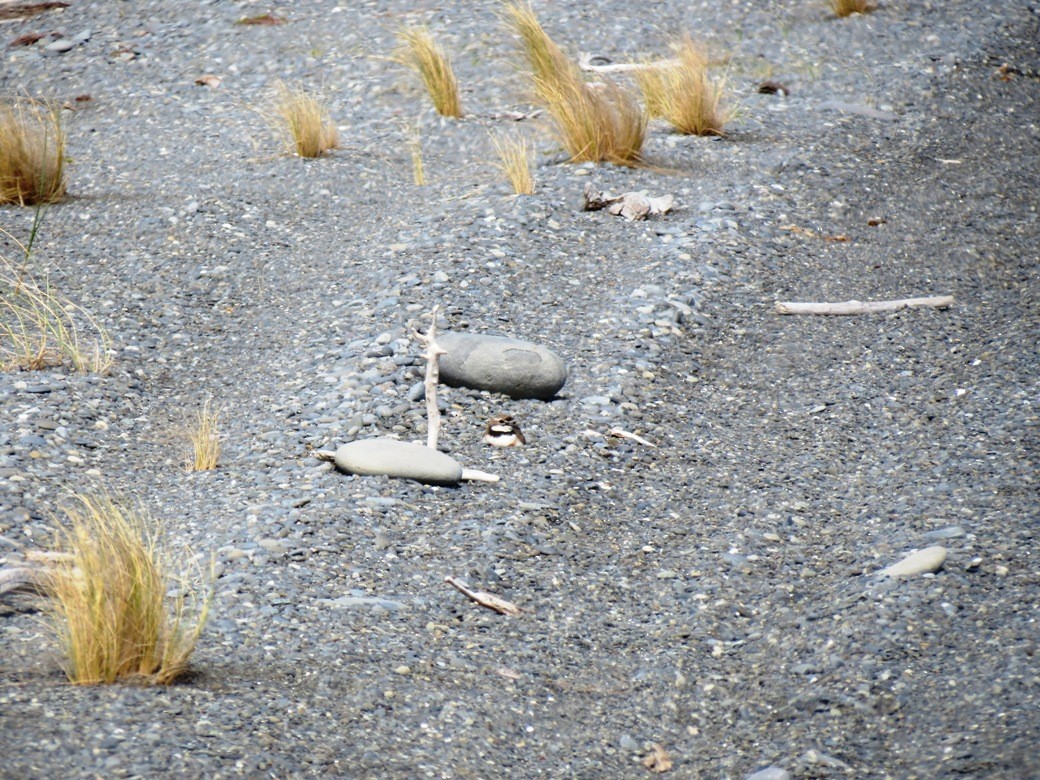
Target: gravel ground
{"x": 714, "y": 594}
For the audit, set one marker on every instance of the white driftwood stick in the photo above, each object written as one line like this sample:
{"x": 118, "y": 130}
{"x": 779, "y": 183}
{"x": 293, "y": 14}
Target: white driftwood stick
{"x": 863, "y": 307}
{"x": 585, "y": 63}
{"x": 485, "y": 599}
{"x": 432, "y": 357}
{"x": 626, "y": 435}
{"x": 475, "y": 475}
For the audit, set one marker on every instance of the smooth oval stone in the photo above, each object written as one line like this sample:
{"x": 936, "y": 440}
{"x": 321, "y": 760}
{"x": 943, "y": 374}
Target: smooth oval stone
{"x": 919, "y": 562}
{"x": 393, "y": 458}
{"x": 516, "y": 368}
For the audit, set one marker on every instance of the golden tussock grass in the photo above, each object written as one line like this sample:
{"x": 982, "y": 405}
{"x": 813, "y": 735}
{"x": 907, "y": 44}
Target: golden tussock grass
{"x": 599, "y": 122}
{"x": 303, "y": 122}
{"x": 39, "y": 328}
{"x": 683, "y": 92}
{"x": 204, "y": 435}
{"x": 420, "y": 52}
{"x": 514, "y": 155}
{"x": 32, "y": 154}
{"x": 845, "y": 8}
{"x": 109, "y": 584}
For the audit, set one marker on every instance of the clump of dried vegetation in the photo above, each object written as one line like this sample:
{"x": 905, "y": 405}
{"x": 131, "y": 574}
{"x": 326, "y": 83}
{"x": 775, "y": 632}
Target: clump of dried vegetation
{"x": 420, "y": 52}
{"x": 32, "y": 154}
{"x": 845, "y": 8}
{"x": 514, "y": 160}
{"x": 600, "y": 122}
{"x": 204, "y": 435}
{"x": 303, "y": 122}
{"x": 40, "y": 328}
{"x": 683, "y": 92}
{"x": 109, "y": 581}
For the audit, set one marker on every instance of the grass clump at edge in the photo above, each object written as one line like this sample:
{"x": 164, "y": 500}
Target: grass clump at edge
{"x": 40, "y": 328}
{"x": 32, "y": 154}
{"x": 303, "y": 122}
{"x": 420, "y": 52}
{"x": 845, "y": 8}
{"x": 109, "y": 583}
{"x": 683, "y": 92}
{"x": 205, "y": 439}
{"x": 599, "y": 122}
{"x": 514, "y": 155}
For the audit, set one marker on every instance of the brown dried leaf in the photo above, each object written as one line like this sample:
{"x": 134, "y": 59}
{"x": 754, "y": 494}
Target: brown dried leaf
{"x": 28, "y": 39}
{"x": 262, "y": 19}
{"x": 208, "y": 80}
{"x": 774, "y": 88}
{"x": 27, "y": 10}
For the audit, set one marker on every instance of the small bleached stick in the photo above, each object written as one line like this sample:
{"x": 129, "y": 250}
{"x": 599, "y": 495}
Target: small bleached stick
{"x": 863, "y": 307}
{"x": 585, "y": 63}
{"x": 485, "y": 599}
{"x": 432, "y": 357}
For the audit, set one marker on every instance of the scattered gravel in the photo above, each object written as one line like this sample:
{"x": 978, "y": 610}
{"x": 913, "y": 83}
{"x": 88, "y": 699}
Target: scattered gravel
{"x": 711, "y": 590}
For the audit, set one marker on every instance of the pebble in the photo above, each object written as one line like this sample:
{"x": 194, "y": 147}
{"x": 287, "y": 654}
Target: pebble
{"x": 770, "y": 773}
{"x": 393, "y": 458}
{"x": 519, "y": 369}
{"x": 919, "y": 562}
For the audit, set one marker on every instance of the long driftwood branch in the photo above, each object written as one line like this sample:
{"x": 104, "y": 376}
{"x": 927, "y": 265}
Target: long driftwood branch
{"x": 863, "y": 307}
{"x": 585, "y": 63}
{"x": 432, "y": 356}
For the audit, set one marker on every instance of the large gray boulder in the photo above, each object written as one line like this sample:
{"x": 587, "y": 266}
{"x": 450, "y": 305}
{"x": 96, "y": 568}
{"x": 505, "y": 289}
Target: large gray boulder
{"x": 516, "y": 368}
{"x": 393, "y": 458}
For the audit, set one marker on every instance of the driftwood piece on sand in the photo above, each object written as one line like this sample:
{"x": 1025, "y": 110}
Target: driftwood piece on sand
{"x": 432, "y": 356}
{"x": 485, "y": 599}
{"x": 22, "y": 579}
{"x": 863, "y": 307}
{"x": 585, "y": 63}
{"x": 630, "y": 205}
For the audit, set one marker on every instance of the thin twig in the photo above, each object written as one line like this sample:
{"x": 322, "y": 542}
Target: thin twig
{"x": 863, "y": 307}
{"x": 432, "y": 356}
{"x": 485, "y": 599}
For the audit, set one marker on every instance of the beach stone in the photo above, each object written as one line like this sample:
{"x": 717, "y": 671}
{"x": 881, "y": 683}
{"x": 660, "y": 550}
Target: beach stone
{"x": 770, "y": 773}
{"x": 402, "y": 459}
{"x": 927, "y": 560}
{"x": 519, "y": 369}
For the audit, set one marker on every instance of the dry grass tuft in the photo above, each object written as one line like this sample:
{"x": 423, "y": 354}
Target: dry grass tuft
{"x": 32, "y": 154}
{"x": 110, "y": 581}
{"x": 684, "y": 93}
{"x": 205, "y": 439}
{"x": 39, "y": 328}
{"x": 420, "y": 52}
{"x": 415, "y": 150}
{"x": 594, "y": 122}
{"x": 845, "y": 8}
{"x": 303, "y": 122}
{"x": 514, "y": 156}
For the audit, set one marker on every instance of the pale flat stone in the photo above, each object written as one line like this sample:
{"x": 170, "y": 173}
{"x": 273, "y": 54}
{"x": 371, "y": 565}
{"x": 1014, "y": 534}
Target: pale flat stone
{"x": 918, "y": 562}
{"x": 770, "y": 773}
{"x": 393, "y": 458}
{"x": 519, "y": 369}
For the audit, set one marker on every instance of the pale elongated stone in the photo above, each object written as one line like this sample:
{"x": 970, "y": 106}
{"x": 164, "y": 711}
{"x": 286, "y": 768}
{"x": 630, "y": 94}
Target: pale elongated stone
{"x": 393, "y": 458}
{"x": 918, "y": 562}
{"x": 519, "y": 369}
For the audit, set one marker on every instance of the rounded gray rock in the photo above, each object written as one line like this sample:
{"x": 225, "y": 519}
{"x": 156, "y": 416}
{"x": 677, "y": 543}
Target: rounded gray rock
{"x": 519, "y": 369}
{"x": 393, "y": 458}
